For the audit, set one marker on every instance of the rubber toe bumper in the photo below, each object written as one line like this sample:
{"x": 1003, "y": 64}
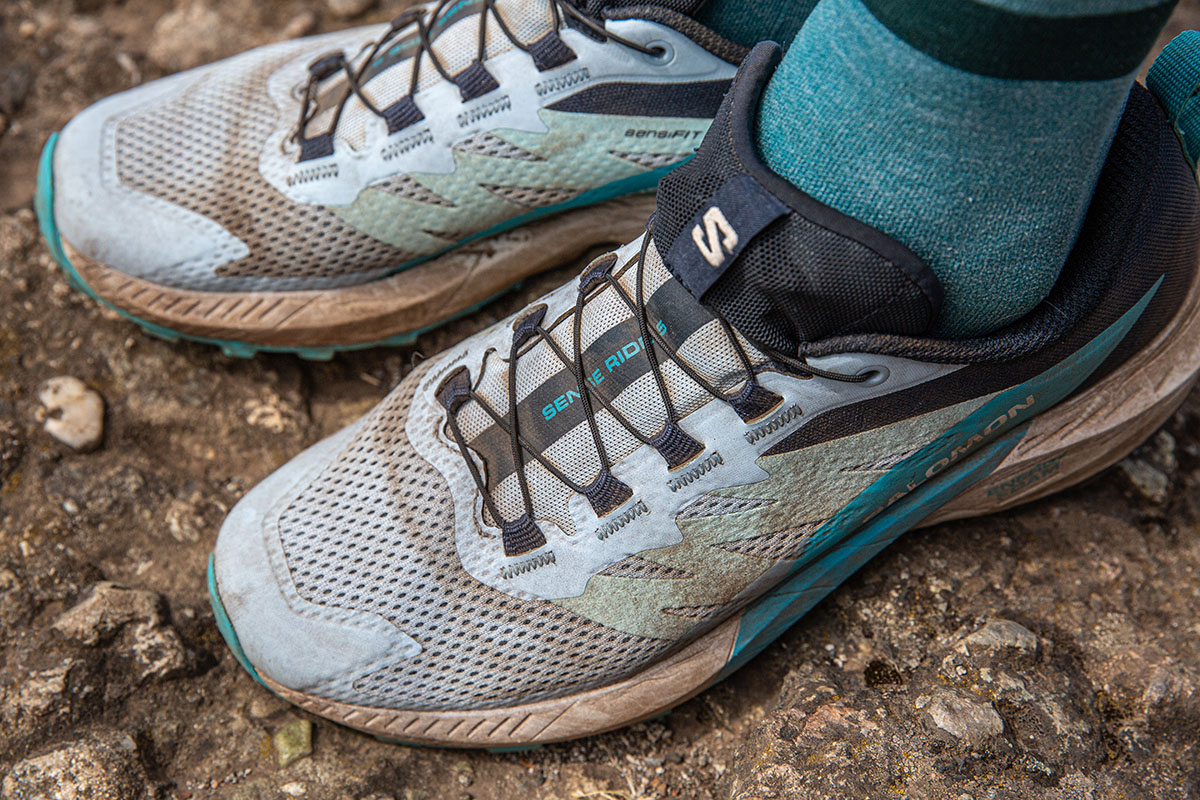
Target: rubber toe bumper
{"x": 304, "y": 646}
{"x": 139, "y": 234}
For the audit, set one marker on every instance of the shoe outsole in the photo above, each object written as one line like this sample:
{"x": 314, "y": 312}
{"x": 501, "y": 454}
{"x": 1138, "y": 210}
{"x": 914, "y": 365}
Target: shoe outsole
{"x": 1070, "y": 441}
{"x": 390, "y": 311}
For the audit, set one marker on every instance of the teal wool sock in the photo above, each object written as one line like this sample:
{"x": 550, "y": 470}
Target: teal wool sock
{"x": 749, "y": 22}
{"x": 972, "y": 131}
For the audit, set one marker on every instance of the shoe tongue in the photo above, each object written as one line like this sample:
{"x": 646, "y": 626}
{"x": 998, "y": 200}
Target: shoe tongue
{"x": 781, "y": 267}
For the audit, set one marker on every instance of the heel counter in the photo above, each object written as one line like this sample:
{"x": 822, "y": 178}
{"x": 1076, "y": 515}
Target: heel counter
{"x": 1149, "y": 197}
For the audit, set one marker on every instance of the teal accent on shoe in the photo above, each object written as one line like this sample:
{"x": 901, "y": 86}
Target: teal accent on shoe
{"x": 44, "y": 205}
{"x": 1174, "y": 78}
{"x": 913, "y": 489}
{"x": 784, "y": 605}
{"x": 633, "y": 184}
{"x": 226, "y": 627}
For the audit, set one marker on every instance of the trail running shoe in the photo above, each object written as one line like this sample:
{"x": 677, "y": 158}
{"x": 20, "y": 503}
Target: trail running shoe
{"x": 590, "y": 512}
{"x": 358, "y": 187}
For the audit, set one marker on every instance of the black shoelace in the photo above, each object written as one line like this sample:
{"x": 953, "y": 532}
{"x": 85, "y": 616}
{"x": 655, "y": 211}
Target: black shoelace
{"x": 605, "y": 493}
{"x": 548, "y": 52}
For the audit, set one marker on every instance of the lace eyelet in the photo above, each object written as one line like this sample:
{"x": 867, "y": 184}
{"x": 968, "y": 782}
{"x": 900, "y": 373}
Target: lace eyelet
{"x": 875, "y": 375}
{"x": 661, "y": 53}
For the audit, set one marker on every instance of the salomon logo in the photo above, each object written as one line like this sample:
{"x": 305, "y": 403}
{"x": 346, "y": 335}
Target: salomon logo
{"x": 924, "y": 459}
{"x": 717, "y": 239}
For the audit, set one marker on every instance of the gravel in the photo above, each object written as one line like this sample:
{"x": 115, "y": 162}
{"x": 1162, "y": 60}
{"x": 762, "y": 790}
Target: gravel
{"x": 1046, "y": 652}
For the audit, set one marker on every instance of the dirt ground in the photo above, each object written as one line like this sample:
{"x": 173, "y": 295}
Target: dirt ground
{"x": 1078, "y": 615}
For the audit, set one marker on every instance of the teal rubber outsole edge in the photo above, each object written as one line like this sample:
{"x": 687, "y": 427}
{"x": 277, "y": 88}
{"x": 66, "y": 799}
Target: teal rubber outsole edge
{"x": 43, "y": 203}
{"x": 225, "y": 626}
{"x": 781, "y": 607}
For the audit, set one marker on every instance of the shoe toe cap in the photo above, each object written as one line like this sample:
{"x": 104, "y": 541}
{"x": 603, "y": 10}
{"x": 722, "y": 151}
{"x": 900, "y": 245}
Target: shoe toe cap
{"x": 103, "y": 218}
{"x": 301, "y": 645}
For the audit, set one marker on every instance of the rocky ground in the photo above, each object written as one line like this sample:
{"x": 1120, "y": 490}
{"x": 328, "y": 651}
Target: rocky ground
{"x": 1048, "y": 652}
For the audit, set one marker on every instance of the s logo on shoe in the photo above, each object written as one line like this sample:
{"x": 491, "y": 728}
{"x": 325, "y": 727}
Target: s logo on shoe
{"x": 724, "y": 225}
{"x": 716, "y": 239}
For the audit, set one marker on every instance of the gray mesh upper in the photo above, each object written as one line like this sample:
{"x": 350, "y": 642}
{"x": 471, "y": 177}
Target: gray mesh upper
{"x": 787, "y": 543}
{"x": 200, "y": 150}
{"x": 374, "y": 532}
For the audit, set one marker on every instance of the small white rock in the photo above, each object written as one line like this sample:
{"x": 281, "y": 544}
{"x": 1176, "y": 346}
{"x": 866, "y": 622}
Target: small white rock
{"x": 998, "y": 633}
{"x": 74, "y": 413}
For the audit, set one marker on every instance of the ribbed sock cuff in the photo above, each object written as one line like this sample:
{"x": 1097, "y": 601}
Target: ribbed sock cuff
{"x": 986, "y": 39}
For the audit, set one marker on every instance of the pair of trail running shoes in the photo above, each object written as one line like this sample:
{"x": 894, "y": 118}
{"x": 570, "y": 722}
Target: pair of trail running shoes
{"x": 593, "y": 510}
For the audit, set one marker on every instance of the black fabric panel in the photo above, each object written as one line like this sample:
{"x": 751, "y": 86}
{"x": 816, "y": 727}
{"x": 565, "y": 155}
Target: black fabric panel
{"x": 983, "y": 38}
{"x": 1143, "y": 224}
{"x": 689, "y": 100}
{"x": 813, "y": 273}
{"x": 1143, "y": 146}
{"x": 1165, "y": 231}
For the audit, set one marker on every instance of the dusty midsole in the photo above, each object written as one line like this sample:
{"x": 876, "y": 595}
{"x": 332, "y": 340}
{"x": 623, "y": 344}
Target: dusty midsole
{"x": 1087, "y": 433}
{"x": 411, "y": 300}
{"x": 1076, "y": 438}
{"x": 660, "y": 686}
